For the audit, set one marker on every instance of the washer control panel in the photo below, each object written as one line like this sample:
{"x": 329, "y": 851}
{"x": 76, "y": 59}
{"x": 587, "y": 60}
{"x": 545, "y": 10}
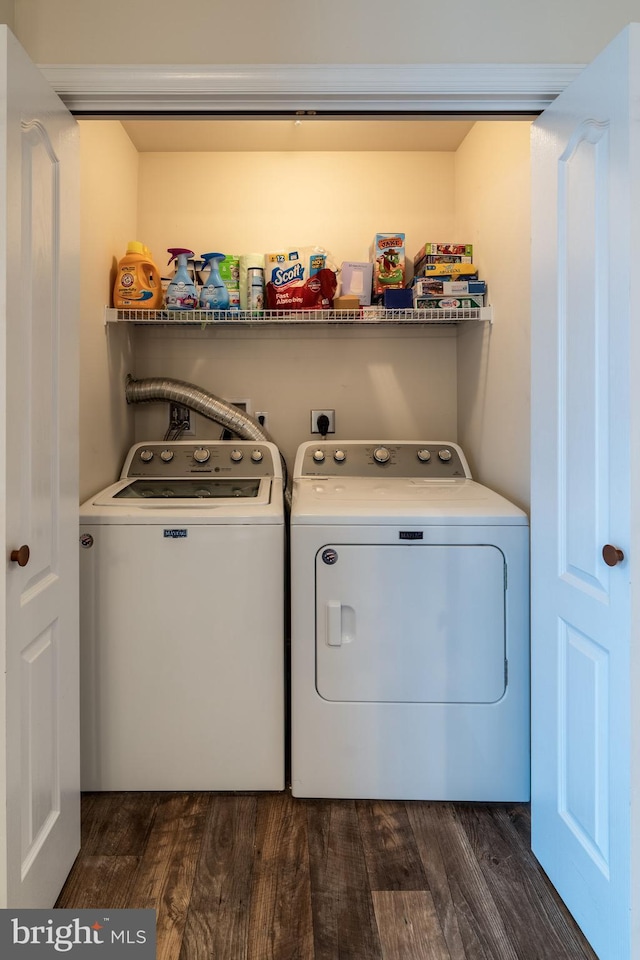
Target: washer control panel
{"x": 184, "y": 458}
{"x": 438, "y": 460}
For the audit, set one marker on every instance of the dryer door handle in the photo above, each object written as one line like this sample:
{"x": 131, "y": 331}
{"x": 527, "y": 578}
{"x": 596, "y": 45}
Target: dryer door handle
{"x": 334, "y": 623}
{"x": 341, "y": 623}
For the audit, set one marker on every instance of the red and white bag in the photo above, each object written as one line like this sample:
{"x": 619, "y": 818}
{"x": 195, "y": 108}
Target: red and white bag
{"x": 302, "y": 279}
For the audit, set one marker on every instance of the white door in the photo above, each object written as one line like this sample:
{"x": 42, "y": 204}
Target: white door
{"x": 585, "y": 494}
{"x": 39, "y": 725}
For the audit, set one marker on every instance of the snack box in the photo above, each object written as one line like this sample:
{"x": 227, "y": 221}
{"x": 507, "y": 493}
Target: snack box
{"x": 447, "y": 303}
{"x": 439, "y": 287}
{"x": 388, "y": 256}
{"x": 452, "y": 271}
{"x": 457, "y": 249}
{"x": 356, "y": 279}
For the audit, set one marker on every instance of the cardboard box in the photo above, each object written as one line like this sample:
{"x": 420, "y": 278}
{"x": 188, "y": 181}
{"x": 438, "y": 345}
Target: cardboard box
{"x": 346, "y": 303}
{"x": 457, "y": 249}
{"x": 357, "y": 279}
{"x": 447, "y": 303}
{"x": 388, "y": 256}
{"x": 398, "y": 299}
{"x": 438, "y": 287}
{"x": 452, "y": 271}
{"x": 443, "y": 258}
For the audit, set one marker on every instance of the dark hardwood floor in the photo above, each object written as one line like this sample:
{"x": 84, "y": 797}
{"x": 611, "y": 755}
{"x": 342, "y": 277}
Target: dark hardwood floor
{"x": 269, "y": 877}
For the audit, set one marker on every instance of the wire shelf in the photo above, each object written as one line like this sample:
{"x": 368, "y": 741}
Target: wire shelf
{"x": 243, "y": 317}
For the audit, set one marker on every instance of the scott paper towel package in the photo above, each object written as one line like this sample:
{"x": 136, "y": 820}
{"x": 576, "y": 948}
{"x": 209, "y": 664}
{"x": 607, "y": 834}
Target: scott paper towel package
{"x": 301, "y": 279}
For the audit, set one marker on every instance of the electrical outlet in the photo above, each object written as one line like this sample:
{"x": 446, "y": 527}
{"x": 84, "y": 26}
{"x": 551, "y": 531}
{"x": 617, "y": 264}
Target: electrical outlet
{"x": 179, "y": 415}
{"x": 331, "y": 416}
{"x": 263, "y": 418}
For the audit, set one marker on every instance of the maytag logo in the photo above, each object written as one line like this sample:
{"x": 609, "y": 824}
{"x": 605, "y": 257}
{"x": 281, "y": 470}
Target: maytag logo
{"x": 176, "y": 533}
{"x": 45, "y": 933}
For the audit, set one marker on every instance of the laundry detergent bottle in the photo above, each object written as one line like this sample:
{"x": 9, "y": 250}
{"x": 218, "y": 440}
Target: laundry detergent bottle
{"x": 181, "y": 293}
{"x": 214, "y": 294}
{"x": 137, "y": 284}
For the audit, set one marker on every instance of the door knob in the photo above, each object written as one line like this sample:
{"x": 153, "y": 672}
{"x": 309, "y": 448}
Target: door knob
{"x": 21, "y": 556}
{"x": 611, "y": 555}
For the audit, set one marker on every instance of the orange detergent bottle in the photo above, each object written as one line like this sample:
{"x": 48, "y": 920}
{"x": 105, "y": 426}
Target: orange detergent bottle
{"x": 137, "y": 280}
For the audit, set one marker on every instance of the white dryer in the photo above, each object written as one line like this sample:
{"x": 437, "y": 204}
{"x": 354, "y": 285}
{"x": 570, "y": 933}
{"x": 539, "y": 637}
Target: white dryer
{"x": 182, "y": 623}
{"x": 410, "y": 627}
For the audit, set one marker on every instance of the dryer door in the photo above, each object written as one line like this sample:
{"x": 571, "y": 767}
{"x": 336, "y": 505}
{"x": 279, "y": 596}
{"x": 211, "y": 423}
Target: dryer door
{"x": 410, "y": 623}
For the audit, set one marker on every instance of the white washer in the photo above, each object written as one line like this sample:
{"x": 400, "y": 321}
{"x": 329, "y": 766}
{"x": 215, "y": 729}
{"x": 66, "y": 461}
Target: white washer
{"x": 182, "y": 625}
{"x": 410, "y": 627}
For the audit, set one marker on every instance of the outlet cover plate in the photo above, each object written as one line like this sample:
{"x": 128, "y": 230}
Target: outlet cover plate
{"x": 330, "y": 414}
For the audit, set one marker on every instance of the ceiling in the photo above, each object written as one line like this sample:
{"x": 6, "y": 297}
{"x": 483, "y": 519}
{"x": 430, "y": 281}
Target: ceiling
{"x": 308, "y": 133}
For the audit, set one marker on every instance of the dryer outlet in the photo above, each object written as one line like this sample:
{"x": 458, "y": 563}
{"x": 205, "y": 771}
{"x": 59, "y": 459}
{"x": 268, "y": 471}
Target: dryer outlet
{"x": 329, "y": 414}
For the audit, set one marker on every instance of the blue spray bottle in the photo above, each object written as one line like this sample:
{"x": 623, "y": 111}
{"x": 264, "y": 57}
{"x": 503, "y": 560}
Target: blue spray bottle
{"x": 181, "y": 293}
{"x": 214, "y": 294}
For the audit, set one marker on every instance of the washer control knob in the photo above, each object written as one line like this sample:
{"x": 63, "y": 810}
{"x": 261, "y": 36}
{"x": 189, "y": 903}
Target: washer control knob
{"x": 166, "y": 456}
{"x": 339, "y": 456}
{"x": 201, "y": 454}
{"x": 146, "y": 455}
{"x": 444, "y": 455}
{"x": 236, "y": 455}
{"x": 424, "y": 455}
{"x": 256, "y": 456}
{"x": 381, "y": 455}
{"x": 318, "y": 456}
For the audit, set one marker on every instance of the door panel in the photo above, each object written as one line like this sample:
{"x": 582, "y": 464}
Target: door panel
{"x": 421, "y": 623}
{"x": 584, "y": 154}
{"x": 41, "y": 808}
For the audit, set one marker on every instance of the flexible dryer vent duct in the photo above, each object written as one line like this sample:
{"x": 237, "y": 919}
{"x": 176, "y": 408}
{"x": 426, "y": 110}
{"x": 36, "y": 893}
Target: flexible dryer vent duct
{"x": 203, "y": 402}
{"x": 179, "y": 391}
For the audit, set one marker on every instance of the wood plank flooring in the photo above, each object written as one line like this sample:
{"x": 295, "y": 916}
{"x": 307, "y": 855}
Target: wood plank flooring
{"x": 269, "y": 877}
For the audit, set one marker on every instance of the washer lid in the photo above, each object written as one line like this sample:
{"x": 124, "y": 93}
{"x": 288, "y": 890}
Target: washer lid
{"x": 189, "y": 499}
{"x": 200, "y": 488}
{"x": 385, "y": 500}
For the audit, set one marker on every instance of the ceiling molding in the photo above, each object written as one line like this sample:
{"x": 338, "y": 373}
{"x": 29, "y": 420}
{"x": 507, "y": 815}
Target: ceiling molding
{"x": 438, "y": 88}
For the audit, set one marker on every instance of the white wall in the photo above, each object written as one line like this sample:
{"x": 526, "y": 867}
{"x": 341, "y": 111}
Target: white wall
{"x": 287, "y": 31}
{"x": 493, "y": 211}
{"x": 109, "y": 196}
{"x": 387, "y": 383}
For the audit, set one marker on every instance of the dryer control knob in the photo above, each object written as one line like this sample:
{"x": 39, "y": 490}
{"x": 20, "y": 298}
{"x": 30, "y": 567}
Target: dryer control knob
{"x": 236, "y": 455}
{"x": 166, "y": 456}
{"x": 146, "y": 455}
{"x": 256, "y": 456}
{"x": 381, "y": 455}
{"x": 318, "y": 456}
{"x": 444, "y": 455}
{"x": 424, "y": 455}
{"x": 201, "y": 454}
{"x": 339, "y": 456}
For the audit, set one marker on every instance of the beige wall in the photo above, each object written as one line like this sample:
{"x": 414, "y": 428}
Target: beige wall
{"x": 241, "y": 202}
{"x": 7, "y": 12}
{"x": 387, "y": 383}
{"x": 109, "y": 189}
{"x": 493, "y": 205}
{"x": 287, "y": 31}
